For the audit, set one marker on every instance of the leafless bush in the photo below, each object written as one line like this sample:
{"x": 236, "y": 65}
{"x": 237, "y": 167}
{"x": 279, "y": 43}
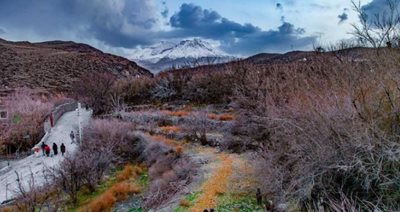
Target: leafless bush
{"x": 209, "y": 87}
{"x": 69, "y": 177}
{"x": 329, "y": 131}
{"x": 27, "y": 112}
{"x": 170, "y": 86}
{"x": 95, "y": 90}
{"x": 168, "y": 173}
{"x": 379, "y": 29}
{"x": 134, "y": 91}
{"x": 31, "y": 195}
{"x": 114, "y": 136}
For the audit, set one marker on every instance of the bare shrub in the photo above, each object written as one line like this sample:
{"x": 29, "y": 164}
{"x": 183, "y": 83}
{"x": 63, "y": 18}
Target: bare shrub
{"x": 106, "y": 143}
{"x": 134, "y": 91}
{"x": 327, "y": 133}
{"x": 380, "y": 29}
{"x": 168, "y": 172}
{"x": 112, "y": 135}
{"x": 209, "y": 87}
{"x": 27, "y": 112}
{"x": 95, "y": 90}
{"x": 69, "y": 177}
{"x": 31, "y": 196}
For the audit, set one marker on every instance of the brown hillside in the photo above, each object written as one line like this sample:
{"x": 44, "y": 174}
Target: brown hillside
{"x": 56, "y": 65}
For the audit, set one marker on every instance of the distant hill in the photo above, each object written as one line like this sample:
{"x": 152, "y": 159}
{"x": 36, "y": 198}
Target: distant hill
{"x": 56, "y": 65}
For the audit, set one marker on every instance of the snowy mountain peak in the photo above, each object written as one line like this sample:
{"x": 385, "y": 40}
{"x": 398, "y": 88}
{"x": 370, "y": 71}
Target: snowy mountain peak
{"x": 171, "y": 54}
{"x": 195, "y": 48}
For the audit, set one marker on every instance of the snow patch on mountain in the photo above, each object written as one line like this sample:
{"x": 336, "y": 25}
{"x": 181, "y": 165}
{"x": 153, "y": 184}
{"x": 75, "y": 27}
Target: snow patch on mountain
{"x": 165, "y": 55}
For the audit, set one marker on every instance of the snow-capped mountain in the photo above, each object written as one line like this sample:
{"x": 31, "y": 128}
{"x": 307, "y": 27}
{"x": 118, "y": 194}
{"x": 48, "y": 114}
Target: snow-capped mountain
{"x": 188, "y": 53}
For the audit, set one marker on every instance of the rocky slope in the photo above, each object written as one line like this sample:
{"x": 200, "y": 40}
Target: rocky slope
{"x": 56, "y": 65}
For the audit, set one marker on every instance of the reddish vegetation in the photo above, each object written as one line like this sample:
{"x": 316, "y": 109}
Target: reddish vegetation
{"x": 221, "y": 117}
{"x": 170, "y": 129}
{"x": 179, "y": 113}
{"x": 129, "y": 171}
{"x": 26, "y": 114}
{"x": 118, "y": 192}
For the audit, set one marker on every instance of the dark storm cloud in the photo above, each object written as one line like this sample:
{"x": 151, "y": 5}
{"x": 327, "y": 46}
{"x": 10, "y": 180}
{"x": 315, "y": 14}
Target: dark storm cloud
{"x": 129, "y": 23}
{"x": 112, "y": 22}
{"x": 378, "y": 7}
{"x": 192, "y": 20}
{"x": 343, "y": 17}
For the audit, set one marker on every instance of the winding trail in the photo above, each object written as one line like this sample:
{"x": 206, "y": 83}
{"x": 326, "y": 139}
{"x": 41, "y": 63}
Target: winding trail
{"x": 34, "y": 166}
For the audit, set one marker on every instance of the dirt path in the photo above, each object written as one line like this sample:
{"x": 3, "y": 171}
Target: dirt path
{"x": 219, "y": 174}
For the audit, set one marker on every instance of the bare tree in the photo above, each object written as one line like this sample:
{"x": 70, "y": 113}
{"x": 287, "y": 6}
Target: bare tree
{"x": 32, "y": 197}
{"x": 95, "y": 89}
{"x": 381, "y": 28}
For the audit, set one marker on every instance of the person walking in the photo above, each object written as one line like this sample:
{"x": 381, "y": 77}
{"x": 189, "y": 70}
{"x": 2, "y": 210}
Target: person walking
{"x": 62, "y": 148}
{"x": 47, "y": 150}
{"x": 72, "y": 136}
{"x": 55, "y": 148}
{"x": 42, "y": 146}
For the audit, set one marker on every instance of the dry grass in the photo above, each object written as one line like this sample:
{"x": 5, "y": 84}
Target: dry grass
{"x": 213, "y": 116}
{"x": 164, "y": 140}
{"x": 215, "y": 185}
{"x": 184, "y": 203}
{"x": 129, "y": 171}
{"x": 170, "y": 129}
{"x": 118, "y": 192}
{"x": 221, "y": 117}
{"x": 226, "y": 117}
{"x": 8, "y": 209}
{"x": 179, "y": 113}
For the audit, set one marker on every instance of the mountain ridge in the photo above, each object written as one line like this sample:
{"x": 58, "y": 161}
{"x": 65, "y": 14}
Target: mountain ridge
{"x": 168, "y": 55}
{"x": 56, "y": 65}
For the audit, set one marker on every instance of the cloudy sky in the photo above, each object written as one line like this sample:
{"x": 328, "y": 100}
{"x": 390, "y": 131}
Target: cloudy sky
{"x": 239, "y": 27}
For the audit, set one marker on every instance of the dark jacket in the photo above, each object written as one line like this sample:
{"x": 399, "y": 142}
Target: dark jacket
{"x": 62, "y": 148}
{"x": 55, "y": 148}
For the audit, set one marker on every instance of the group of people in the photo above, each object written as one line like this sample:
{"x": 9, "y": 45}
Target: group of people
{"x": 46, "y": 149}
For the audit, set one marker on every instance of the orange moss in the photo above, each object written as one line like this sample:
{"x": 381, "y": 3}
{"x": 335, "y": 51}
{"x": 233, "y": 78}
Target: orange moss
{"x": 117, "y": 192}
{"x": 128, "y": 172}
{"x": 103, "y": 203}
{"x": 213, "y": 116}
{"x": 222, "y": 117}
{"x": 226, "y": 117}
{"x": 215, "y": 185}
{"x": 184, "y": 203}
{"x": 170, "y": 129}
{"x": 179, "y": 113}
